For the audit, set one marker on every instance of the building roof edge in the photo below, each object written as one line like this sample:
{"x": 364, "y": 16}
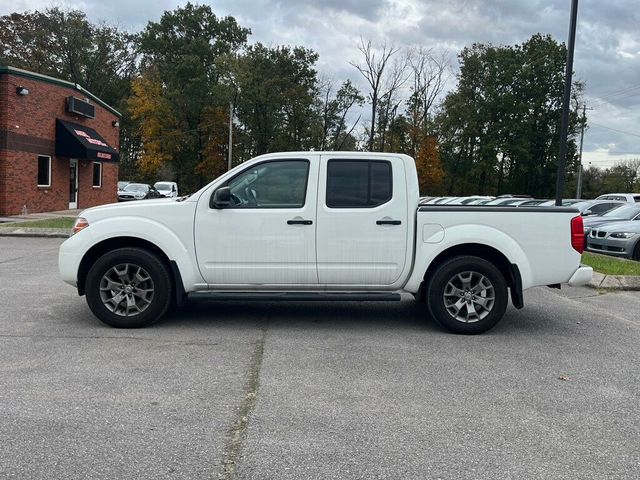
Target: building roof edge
{"x": 7, "y": 70}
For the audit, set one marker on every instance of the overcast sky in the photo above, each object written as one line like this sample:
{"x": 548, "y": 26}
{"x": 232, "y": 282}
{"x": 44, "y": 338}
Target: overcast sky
{"x": 607, "y": 46}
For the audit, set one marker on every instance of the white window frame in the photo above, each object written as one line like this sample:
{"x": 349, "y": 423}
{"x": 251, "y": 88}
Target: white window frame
{"x": 48, "y": 157}
{"x": 92, "y": 170}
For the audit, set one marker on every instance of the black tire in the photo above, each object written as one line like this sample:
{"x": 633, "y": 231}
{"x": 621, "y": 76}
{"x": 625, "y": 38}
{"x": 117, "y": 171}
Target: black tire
{"x": 636, "y": 251}
{"x": 148, "y": 307}
{"x": 483, "y": 312}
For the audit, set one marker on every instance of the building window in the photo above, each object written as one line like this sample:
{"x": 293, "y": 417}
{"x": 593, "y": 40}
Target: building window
{"x": 358, "y": 183}
{"x": 97, "y": 174}
{"x": 44, "y": 171}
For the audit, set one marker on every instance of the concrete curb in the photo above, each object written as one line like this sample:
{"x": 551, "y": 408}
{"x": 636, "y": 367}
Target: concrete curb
{"x": 615, "y": 282}
{"x": 35, "y": 232}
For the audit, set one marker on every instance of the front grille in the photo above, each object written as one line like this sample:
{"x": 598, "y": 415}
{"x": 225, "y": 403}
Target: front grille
{"x": 601, "y": 234}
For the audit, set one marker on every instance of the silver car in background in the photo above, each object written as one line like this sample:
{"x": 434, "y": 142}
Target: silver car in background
{"x": 621, "y": 239}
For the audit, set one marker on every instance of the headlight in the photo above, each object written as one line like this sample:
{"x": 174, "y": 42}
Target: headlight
{"x": 81, "y": 223}
{"x": 587, "y": 229}
{"x": 622, "y": 235}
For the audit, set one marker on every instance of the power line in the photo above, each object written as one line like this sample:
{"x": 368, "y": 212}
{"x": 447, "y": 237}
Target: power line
{"x": 599, "y": 103}
{"x": 615, "y": 129}
{"x": 617, "y": 92}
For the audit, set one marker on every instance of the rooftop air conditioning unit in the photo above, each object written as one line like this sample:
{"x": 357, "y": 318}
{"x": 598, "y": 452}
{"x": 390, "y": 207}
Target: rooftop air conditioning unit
{"x": 80, "y": 107}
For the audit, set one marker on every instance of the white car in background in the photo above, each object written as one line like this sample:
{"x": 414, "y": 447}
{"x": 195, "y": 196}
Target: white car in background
{"x": 621, "y": 197}
{"x": 167, "y": 189}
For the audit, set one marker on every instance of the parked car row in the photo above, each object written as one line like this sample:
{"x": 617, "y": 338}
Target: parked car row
{"x": 612, "y": 226}
{"x": 128, "y": 191}
{"x": 586, "y": 207}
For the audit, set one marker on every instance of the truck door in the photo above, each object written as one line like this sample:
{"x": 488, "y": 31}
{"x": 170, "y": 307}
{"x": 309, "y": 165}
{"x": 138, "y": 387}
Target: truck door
{"x": 267, "y": 235}
{"x": 363, "y": 218}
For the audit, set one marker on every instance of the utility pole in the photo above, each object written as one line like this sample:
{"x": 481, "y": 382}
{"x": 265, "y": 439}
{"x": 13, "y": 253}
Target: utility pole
{"x": 564, "y": 125}
{"x": 584, "y": 121}
{"x": 230, "y": 135}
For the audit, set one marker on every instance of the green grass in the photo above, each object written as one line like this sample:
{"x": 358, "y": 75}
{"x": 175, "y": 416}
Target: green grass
{"x": 611, "y": 265}
{"x": 61, "y": 222}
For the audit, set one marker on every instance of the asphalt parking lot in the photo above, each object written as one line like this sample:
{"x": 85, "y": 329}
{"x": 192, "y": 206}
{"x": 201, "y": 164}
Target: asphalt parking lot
{"x": 312, "y": 390}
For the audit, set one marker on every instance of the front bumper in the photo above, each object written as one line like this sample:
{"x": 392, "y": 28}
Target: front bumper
{"x": 69, "y": 258}
{"x": 581, "y": 276}
{"x": 621, "y": 247}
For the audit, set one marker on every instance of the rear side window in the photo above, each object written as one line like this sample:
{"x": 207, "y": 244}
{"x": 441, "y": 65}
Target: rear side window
{"x": 358, "y": 183}
{"x": 602, "y": 207}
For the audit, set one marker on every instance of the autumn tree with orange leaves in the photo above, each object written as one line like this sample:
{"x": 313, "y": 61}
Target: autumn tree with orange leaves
{"x": 429, "y": 166}
{"x": 180, "y": 99}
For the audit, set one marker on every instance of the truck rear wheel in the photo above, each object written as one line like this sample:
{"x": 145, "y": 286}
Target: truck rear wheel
{"x": 128, "y": 288}
{"x": 467, "y": 295}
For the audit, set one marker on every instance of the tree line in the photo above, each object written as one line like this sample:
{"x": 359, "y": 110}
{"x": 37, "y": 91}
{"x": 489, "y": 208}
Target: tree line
{"x": 178, "y": 80}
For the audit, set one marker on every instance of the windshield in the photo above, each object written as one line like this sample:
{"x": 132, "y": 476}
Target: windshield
{"x": 627, "y": 212}
{"x": 163, "y": 186}
{"x": 135, "y": 187}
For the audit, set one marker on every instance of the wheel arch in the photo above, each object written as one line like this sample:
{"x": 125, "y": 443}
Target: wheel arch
{"x": 635, "y": 253}
{"x": 509, "y": 270}
{"x": 113, "y": 243}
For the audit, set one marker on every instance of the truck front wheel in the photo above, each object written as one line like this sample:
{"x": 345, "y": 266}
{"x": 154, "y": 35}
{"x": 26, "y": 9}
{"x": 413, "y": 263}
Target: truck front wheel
{"x": 467, "y": 295}
{"x": 128, "y": 288}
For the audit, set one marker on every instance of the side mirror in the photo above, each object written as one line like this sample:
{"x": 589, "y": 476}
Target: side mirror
{"x": 221, "y": 198}
{"x": 586, "y": 213}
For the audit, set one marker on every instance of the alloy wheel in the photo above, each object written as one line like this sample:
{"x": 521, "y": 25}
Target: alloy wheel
{"x": 126, "y": 289}
{"x": 469, "y": 296}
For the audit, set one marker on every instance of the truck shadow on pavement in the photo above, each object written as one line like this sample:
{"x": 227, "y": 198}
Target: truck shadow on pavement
{"x": 407, "y": 315}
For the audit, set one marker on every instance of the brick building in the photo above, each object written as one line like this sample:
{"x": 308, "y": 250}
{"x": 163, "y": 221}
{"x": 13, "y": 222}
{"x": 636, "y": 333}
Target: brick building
{"x": 58, "y": 145}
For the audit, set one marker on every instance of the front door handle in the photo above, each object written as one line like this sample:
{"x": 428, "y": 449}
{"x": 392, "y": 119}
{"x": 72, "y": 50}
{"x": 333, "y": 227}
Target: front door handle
{"x": 388, "y": 222}
{"x": 299, "y": 222}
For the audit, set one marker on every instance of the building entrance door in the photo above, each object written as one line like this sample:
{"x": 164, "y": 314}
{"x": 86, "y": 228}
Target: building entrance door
{"x": 73, "y": 183}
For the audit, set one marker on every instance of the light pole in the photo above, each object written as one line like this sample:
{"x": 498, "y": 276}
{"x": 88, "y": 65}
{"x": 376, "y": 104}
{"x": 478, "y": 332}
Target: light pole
{"x": 230, "y": 135}
{"x": 564, "y": 125}
{"x": 584, "y": 121}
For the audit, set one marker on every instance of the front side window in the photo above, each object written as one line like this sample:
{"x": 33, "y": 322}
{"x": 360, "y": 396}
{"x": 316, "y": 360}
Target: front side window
{"x": 44, "y": 171}
{"x": 358, "y": 183}
{"x": 274, "y": 184}
{"x": 97, "y": 174}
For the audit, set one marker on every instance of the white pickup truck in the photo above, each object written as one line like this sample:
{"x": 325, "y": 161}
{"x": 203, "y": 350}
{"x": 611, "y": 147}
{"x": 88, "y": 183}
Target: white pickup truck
{"x": 319, "y": 226}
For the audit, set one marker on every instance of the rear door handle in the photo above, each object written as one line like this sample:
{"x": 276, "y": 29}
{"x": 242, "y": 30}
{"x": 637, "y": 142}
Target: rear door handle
{"x": 299, "y": 222}
{"x": 388, "y": 222}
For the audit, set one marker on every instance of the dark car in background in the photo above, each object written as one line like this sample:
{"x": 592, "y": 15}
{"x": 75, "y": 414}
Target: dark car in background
{"x": 138, "y": 191}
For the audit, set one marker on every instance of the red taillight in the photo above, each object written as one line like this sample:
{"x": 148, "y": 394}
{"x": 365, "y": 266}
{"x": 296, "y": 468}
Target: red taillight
{"x": 577, "y": 234}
